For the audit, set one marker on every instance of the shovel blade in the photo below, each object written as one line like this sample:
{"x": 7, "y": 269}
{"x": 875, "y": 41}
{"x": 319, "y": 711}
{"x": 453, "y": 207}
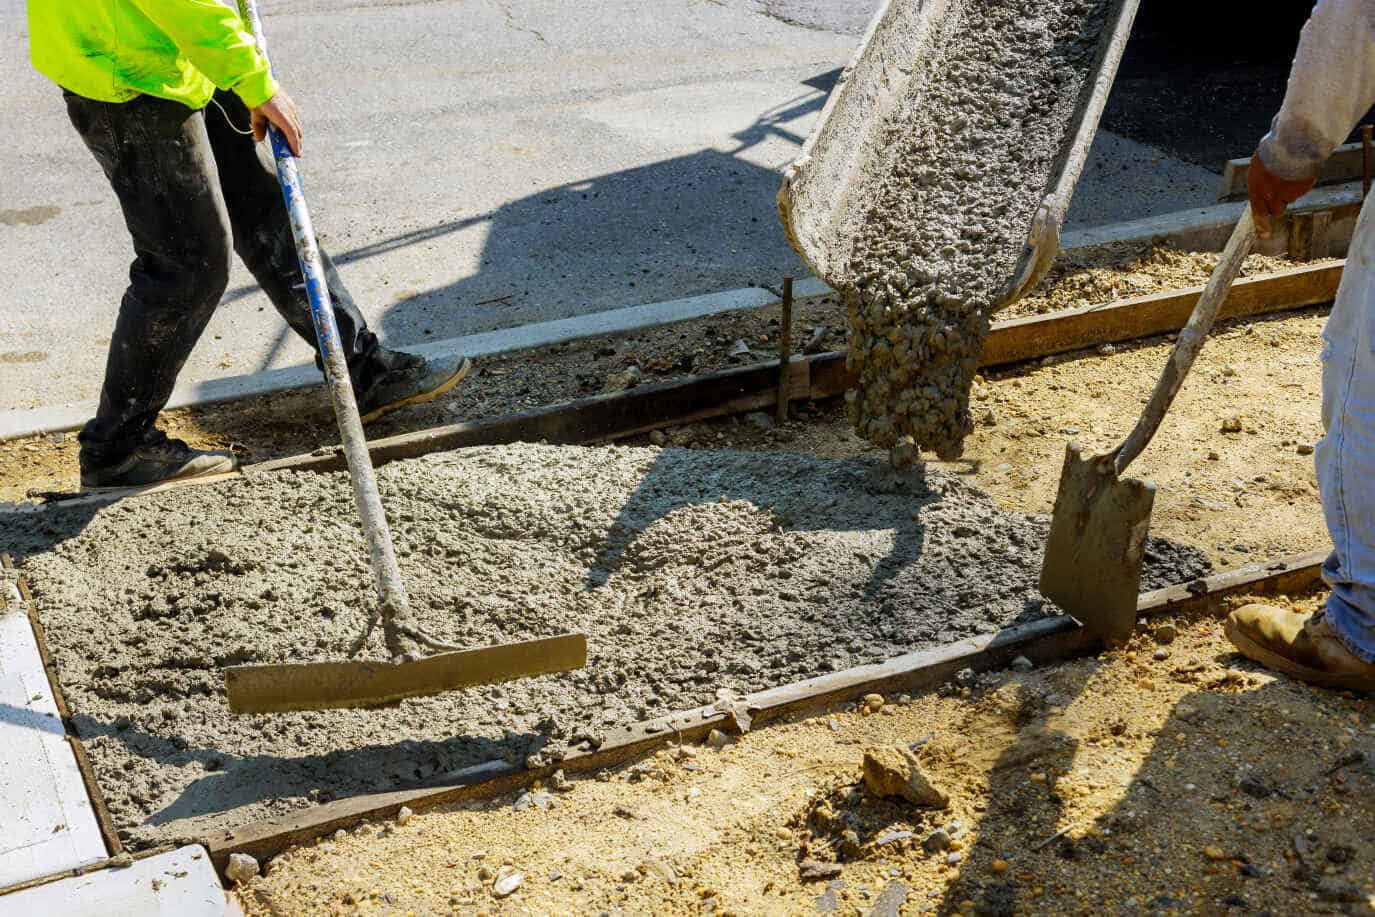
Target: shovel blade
{"x": 361, "y": 683}
{"x": 1092, "y": 566}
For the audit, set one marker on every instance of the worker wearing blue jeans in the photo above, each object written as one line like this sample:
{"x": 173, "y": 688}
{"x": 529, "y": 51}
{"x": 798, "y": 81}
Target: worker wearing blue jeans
{"x": 1332, "y": 84}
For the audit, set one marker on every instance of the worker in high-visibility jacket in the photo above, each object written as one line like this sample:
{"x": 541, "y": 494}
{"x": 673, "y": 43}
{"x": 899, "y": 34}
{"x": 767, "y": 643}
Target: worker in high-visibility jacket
{"x": 139, "y": 78}
{"x": 1331, "y": 85}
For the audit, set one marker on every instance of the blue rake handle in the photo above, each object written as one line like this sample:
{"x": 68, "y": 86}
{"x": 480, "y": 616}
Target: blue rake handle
{"x": 394, "y": 607}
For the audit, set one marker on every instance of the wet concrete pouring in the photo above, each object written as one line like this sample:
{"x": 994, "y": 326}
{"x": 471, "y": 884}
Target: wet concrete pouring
{"x": 972, "y": 156}
{"x": 689, "y": 571}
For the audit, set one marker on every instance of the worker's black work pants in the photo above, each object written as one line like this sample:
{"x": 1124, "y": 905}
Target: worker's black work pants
{"x": 190, "y": 185}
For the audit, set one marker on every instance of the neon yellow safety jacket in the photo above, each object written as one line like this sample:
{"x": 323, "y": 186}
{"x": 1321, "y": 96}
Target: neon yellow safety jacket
{"x": 115, "y": 50}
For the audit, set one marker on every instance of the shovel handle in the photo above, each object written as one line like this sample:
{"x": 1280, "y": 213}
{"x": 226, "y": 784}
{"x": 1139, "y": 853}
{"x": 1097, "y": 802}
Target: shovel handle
{"x": 390, "y": 588}
{"x": 1190, "y": 342}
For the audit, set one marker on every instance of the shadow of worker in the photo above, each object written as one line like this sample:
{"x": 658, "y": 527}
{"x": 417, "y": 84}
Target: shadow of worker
{"x": 1245, "y": 795}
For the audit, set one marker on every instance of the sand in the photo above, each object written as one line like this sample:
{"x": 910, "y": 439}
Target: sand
{"x": 689, "y": 571}
{"x": 974, "y": 147}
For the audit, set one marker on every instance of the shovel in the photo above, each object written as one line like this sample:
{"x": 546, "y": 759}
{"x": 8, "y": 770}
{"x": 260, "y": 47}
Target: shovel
{"x": 1092, "y": 566}
{"x": 362, "y": 683}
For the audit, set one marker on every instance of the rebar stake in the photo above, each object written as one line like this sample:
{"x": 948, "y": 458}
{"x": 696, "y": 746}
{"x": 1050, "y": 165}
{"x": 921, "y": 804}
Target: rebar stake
{"x": 785, "y": 349}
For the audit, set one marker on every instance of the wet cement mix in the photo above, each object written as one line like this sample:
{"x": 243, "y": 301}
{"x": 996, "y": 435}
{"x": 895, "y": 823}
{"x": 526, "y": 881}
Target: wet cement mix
{"x": 689, "y": 570}
{"x": 986, "y": 119}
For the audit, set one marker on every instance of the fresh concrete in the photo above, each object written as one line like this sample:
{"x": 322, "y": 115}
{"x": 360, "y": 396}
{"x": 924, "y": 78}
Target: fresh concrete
{"x": 473, "y": 165}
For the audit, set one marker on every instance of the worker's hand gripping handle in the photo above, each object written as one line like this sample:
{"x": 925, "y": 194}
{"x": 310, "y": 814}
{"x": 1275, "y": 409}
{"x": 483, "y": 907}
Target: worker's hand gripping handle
{"x": 1190, "y": 342}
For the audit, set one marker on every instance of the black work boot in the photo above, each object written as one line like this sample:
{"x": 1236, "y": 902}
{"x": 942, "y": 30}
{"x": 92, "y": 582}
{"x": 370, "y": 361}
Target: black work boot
{"x": 157, "y": 460}
{"x": 397, "y": 380}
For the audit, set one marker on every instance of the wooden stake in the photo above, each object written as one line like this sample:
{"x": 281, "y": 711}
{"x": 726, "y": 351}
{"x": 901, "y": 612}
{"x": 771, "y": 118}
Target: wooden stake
{"x": 785, "y": 349}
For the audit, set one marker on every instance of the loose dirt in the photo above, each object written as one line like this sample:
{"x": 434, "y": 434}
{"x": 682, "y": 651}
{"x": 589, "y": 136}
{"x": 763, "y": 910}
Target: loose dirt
{"x": 973, "y": 148}
{"x": 689, "y": 571}
{"x": 1160, "y": 779}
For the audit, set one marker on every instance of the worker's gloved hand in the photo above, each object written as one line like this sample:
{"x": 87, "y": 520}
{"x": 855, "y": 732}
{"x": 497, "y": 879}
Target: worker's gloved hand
{"x": 281, "y": 112}
{"x": 1270, "y": 194}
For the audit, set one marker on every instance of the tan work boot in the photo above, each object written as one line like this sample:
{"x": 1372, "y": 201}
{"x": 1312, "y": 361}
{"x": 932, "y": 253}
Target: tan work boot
{"x": 1303, "y": 646}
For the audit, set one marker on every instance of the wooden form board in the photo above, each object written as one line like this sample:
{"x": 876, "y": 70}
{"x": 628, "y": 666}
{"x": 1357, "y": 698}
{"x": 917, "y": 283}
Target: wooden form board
{"x": 1041, "y": 641}
{"x": 178, "y": 883}
{"x": 1344, "y": 165}
{"x": 50, "y": 824}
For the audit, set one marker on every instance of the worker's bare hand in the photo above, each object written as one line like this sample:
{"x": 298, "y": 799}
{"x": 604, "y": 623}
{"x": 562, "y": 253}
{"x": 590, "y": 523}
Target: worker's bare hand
{"x": 1270, "y": 194}
{"x": 280, "y": 112}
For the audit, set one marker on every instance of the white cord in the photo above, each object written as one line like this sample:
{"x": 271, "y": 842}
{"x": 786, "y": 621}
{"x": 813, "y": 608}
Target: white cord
{"x": 232, "y": 126}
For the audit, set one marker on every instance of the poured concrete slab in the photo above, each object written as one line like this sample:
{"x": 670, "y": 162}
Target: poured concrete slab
{"x": 179, "y": 883}
{"x": 49, "y": 823}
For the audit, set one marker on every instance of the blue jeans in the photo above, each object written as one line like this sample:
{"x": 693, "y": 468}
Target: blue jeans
{"x": 1345, "y": 457}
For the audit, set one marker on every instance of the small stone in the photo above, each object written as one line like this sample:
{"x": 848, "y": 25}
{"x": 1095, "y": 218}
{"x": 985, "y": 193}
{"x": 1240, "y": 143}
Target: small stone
{"x": 998, "y": 866}
{"x": 1214, "y": 852}
{"x": 1304, "y": 448}
{"x": 505, "y": 884}
{"x": 1229, "y": 370}
{"x": 657, "y": 438}
{"x": 873, "y": 701}
{"x": 1339, "y": 891}
{"x": 1213, "y": 456}
{"x": 889, "y": 837}
{"x": 123, "y": 860}
{"x": 954, "y": 858}
{"x": 403, "y": 815}
{"x": 759, "y": 420}
{"x": 937, "y": 841}
{"x": 663, "y": 871}
{"x": 815, "y": 870}
{"x": 1021, "y": 664}
{"x": 1161, "y": 654}
{"x": 241, "y": 868}
{"x": 1165, "y": 634}
{"x": 1106, "y": 350}
{"x": 893, "y": 770}
{"x": 833, "y": 724}
{"x": 1233, "y": 423}
{"x": 717, "y": 739}
{"x": 559, "y": 783}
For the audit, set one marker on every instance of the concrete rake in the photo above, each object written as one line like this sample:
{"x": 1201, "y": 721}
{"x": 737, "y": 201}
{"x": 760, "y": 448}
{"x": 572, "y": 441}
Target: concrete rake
{"x": 362, "y": 683}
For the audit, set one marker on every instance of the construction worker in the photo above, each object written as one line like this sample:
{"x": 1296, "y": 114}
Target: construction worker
{"x": 139, "y": 78}
{"x": 1331, "y": 86}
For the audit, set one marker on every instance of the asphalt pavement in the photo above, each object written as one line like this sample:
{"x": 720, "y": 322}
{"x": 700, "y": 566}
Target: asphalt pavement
{"x": 474, "y": 165}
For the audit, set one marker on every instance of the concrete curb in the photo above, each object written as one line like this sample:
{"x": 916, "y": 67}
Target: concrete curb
{"x": 15, "y": 424}
{"x": 1199, "y": 229}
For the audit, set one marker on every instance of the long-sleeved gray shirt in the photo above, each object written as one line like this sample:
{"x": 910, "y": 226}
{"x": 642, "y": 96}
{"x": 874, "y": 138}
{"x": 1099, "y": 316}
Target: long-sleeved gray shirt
{"x": 1331, "y": 85}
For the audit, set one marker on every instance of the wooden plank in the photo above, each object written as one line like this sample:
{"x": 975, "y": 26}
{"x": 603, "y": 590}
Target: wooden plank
{"x": 178, "y": 883}
{"x": 50, "y": 824}
{"x": 1344, "y": 165}
{"x": 1308, "y": 235}
{"x": 1045, "y": 640}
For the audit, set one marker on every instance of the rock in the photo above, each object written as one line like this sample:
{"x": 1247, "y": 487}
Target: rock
{"x": 1304, "y": 448}
{"x": 815, "y": 870}
{"x": 759, "y": 420}
{"x": 1165, "y": 634}
{"x": 1255, "y": 786}
{"x": 893, "y": 770}
{"x": 1232, "y": 423}
{"x": 833, "y": 724}
{"x": 988, "y": 418}
{"x": 507, "y": 883}
{"x": 1213, "y": 852}
{"x": 241, "y": 868}
{"x": 537, "y": 799}
{"x": 661, "y": 870}
{"x": 1106, "y": 350}
{"x": 937, "y": 841}
{"x": 1213, "y": 456}
{"x": 559, "y": 783}
{"x": 890, "y": 901}
{"x": 889, "y": 837}
{"x": 717, "y": 739}
{"x": 954, "y": 858}
{"x": 123, "y": 860}
{"x": 619, "y": 382}
{"x": 873, "y": 701}
{"x": 403, "y": 815}
{"x": 998, "y": 866}
{"x": 1021, "y": 664}
{"x": 657, "y": 438}
{"x": 1161, "y": 654}
{"x": 1339, "y": 891}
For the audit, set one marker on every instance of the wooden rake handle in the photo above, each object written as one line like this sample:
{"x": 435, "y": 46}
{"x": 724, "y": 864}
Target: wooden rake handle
{"x": 1189, "y": 343}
